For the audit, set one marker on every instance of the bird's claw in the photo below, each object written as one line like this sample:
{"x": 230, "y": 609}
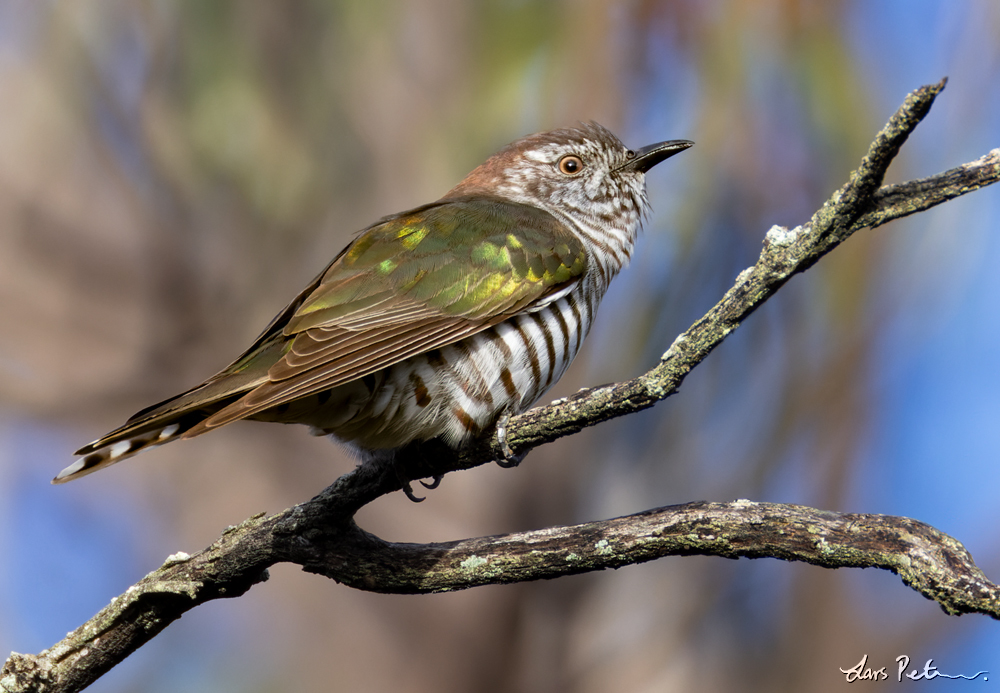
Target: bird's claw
{"x": 435, "y": 482}
{"x": 408, "y": 490}
{"x": 510, "y": 458}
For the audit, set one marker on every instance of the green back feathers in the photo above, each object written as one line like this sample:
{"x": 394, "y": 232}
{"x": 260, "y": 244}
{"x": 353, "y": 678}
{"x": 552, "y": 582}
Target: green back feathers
{"x": 470, "y": 258}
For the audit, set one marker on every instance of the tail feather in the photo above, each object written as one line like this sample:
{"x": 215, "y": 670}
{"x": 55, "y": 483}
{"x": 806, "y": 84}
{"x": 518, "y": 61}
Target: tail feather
{"x": 119, "y": 446}
{"x": 156, "y": 425}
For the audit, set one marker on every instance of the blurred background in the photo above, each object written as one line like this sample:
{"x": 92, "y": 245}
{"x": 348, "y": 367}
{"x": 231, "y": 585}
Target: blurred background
{"x": 172, "y": 173}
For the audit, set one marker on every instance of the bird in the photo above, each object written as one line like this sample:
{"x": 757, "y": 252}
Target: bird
{"x": 439, "y": 322}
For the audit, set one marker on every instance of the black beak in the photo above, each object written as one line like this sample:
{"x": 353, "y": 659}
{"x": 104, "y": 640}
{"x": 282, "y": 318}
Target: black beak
{"x": 648, "y": 157}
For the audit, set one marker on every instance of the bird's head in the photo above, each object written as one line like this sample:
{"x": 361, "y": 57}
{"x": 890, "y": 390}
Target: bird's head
{"x": 584, "y": 174}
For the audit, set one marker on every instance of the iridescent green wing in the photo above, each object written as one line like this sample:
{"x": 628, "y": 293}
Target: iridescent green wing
{"x": 413, "y": 283}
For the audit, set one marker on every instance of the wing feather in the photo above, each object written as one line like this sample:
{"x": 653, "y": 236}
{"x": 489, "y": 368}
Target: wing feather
{"x": 331, "y": 373}
{"x": 413, "y": 283}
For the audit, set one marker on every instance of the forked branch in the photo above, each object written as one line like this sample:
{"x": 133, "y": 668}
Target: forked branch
{"x": 321, "y": 536}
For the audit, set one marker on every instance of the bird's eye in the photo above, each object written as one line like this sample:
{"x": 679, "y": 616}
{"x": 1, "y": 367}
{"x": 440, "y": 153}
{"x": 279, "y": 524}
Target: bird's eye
{"x": 629, "y": 154}
{"x": 570, "y": 164}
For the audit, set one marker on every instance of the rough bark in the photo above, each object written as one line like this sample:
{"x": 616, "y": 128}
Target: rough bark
{"x": 321, "y": 536}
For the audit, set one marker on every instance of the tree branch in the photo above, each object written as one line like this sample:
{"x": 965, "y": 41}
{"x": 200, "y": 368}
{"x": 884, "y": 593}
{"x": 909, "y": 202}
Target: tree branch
{"x": 321, "y": 535}
{"x": 928, "y": 560}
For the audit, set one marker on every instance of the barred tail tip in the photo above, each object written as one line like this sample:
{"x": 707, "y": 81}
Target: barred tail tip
{"x": 116, "y": 452}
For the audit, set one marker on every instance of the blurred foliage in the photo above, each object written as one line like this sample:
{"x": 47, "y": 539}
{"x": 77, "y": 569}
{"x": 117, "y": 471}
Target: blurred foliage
{"x": 171, "y": 173}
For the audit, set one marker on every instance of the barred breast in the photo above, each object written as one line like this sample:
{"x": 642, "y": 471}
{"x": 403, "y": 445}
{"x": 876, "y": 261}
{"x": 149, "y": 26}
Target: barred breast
{"x": 455, "y": 392}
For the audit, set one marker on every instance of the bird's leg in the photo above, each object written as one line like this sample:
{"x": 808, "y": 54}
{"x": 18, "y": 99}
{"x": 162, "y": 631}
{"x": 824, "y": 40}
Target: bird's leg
{"x": 510, "y": 458}
{"x": 410, "y": 461}
{"x": 401, "y": 476}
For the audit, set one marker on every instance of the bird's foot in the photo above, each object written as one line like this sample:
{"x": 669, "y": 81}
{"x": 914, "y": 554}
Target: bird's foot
{"x": 510, "y": 458}
{"x": 407, "y": 461}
